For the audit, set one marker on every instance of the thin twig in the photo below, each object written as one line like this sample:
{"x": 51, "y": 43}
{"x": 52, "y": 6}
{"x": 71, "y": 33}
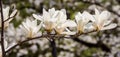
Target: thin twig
{"x": 11, "y": 17}
{"x": 2, "y": 31}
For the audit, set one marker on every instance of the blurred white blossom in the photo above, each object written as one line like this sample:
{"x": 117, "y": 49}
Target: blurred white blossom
{"x": 14, "y": 34}
{"x": 82, "y": 20}
{"x": 7, "y": 16}
{"x": 63, "y": 23}
{"x": 48, "y": 18}
{"x": 31, "y": 27}
{"x": 102, "y": 20}
{"x": 56, "y": 20}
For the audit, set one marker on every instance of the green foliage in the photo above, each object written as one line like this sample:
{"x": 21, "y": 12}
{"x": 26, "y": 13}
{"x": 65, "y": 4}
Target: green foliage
{"x": 88, "y": 52}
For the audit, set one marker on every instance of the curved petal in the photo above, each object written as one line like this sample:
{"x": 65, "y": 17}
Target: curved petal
{"x": 62, "y": 17}
{"x": 64, "y": 11}
{"x": 106, "y": 23}
{"x": 97, "y": 12}
{"x": 6, "y": 13}
{"x": 88, "y": 16}
{"x": 78, "y": 16}
{"x": 70, "y": 23}
{"x": 46, "y": 15}
{"x": 37, "y": 17}
{"x": 13, "y": 13}
{"x": 111, "y": 26}
{"x": 51, "y": 11}
{"x": 104, "y": 15}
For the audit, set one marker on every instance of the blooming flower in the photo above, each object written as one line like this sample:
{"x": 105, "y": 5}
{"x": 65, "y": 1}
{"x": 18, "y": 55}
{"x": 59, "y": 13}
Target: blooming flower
{"x": 63, "y": 23}
{"x": 48, "y": 18}
{"x": 82, "y": 20}
{"x": 55, "y": 20}
{"x": 102, "y": 21}
{"x": 6, "y": 16}
{"x": 30, "y": 27}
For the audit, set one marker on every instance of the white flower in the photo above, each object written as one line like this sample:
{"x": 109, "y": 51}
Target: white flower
{"x": 30, "y": 27}
{"x": 102, "y": 21}
{"x": 48, "y": 18}
{"x": 14, "y": 34}
{"x": 6, "y": 16}
{"x": 82, "y": 20}
{"x": 63, "y": 23}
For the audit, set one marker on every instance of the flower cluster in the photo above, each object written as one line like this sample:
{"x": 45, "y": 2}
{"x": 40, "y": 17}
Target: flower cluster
{"x": 56, "y": 20}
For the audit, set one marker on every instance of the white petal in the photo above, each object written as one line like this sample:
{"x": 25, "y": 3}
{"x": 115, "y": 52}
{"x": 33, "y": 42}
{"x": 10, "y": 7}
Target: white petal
{"x": 64, "y": 11}
{"x": 13, "y": 13}
{"x": 52, "y": 11}
{"x": 37, "y": 17}
{"x": 88, "y": 16}
{"x": 69, "y": 33}
{"x": 89, "y": 27}
{"x": 70, "y": 23}
{"x": 111, "y": 26}
{"x": 108, "y": 22}
{"x": 104, "y": 15}
{"x": 97, "y": 12}
{"x": 46, "y": 15}
{"x": 62, "y": 17}
{"x": 56, "y": 13}
{"x": 38, "y": 27}
{"x": 6, "y": 13}
{"x": 78, "y": 16}
{"x": 25, "y": 26}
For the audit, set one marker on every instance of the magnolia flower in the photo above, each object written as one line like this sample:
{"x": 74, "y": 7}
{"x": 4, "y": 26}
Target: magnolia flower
{"x": 63, "y": 23}
{"x": 55, "y": 20}
{"x": 48, "y": 18}
{"x": 6, "y": 16}
{"x": 31, "y": 27}
{"x": 82, "y": 20}
{"x": 102, "y": 21}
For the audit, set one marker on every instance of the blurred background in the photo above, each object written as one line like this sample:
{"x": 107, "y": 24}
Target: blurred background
{"x": 65, "y": 47}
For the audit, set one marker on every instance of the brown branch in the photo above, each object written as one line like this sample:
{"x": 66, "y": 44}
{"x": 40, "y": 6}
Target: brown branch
{"x": 20, "y": 43}
{"x": 99, "y": 44}
{"x": 2, "y": 30}
{"x": 54, "y": 49}
{"x": 11, "y": 17}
